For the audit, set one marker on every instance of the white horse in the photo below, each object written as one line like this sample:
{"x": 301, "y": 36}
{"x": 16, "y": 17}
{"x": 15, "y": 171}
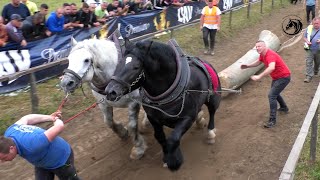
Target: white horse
{"x": 95, "y": 61}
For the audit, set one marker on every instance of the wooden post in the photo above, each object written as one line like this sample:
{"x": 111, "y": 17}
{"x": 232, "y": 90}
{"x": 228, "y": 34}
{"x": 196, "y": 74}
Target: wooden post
{"x": 272, "y": 4}
{"x": 314, "y": 135}
{"x": 261, "y": 7}
{"x": 248, "y": 10}
{"x": 34, "y": 97}
{"x": 230, "y": 19}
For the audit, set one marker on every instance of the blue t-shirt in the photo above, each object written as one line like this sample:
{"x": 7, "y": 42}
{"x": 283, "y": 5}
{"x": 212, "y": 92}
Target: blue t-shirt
{"x": 9, "y": 9}
{"x": 33, "y": 145}
{"x": 310, "y": 2}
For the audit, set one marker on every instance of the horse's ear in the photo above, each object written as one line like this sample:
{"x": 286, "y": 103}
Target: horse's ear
{"x": 73, "y": 41}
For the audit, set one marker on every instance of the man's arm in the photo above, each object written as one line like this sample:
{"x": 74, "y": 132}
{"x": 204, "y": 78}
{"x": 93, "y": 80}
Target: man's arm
{"x": 267, "y": 71}
{"x": 253, "y": 64}
{"x": 55, "y": 130}
{"x": 32, "y": 119}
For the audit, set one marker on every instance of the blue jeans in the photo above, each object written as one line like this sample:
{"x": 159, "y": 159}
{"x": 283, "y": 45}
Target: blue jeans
{"x": 277, "y": 86}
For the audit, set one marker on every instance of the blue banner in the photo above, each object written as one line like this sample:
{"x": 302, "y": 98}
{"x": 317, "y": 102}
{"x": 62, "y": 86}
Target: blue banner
{"x": 13, "y": 58}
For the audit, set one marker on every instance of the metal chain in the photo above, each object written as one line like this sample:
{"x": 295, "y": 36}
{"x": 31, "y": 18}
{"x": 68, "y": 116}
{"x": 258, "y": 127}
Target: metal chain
{"x": 165, "y": 113}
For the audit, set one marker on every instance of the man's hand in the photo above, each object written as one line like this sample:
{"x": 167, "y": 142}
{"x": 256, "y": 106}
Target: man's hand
{"x": 255, "y": 77}
{"x": 244, "y": 66}
{"x": 23, "y": 43}
{"x": 56, "y": 115}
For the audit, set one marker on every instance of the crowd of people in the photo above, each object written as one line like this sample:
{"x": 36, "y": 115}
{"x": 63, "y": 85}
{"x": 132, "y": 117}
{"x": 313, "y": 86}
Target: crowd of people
{"x": 22, "y": 21}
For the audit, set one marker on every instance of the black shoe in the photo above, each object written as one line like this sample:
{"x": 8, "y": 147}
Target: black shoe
{"x": 284, "y": 109}
{"x": 269, "y": 124}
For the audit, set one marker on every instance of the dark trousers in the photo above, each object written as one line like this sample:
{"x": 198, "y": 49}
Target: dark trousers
{"x": 206, "y": 33}
{"x": 277, "y": 86}
{"x": 66, "y": 172}
{"x": 311, "y": 9}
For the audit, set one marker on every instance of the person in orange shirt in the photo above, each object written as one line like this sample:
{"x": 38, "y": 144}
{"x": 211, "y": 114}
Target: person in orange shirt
{"x": 3, "y": 33}
{"x": 210, "y": 24}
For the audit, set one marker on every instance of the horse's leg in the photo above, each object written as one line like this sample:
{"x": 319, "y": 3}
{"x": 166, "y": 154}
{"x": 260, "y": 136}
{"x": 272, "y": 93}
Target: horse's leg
{"x": 145, "y": 124}
{"x": 139, "y": 144}
{"x": 118, "y": 128}
{"x": 161, "y": 138}
{"x": 212, "y": 108}
{"x": 200, "y": 120}
{"x": 174, "y": 157}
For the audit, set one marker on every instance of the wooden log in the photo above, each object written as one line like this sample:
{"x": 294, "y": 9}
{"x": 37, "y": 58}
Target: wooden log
{"x": 233, "y": 77}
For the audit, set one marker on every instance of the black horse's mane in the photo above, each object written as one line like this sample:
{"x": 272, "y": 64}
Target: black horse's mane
{"x": 154, "y": 50}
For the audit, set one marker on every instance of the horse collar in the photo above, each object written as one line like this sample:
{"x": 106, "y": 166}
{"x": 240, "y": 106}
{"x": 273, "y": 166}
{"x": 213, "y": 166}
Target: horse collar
{"x": 180, "y": 83}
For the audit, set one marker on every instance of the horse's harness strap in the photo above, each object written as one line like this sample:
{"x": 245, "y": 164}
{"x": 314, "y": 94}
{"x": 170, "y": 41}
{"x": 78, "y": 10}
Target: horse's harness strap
{"x": 180, "y": 86}
{"x": 117, "y": 79}
{"x": 199, "y": 63}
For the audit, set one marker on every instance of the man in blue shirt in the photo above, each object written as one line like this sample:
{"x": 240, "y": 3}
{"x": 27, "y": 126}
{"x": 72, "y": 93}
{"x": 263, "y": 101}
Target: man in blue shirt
{"x": 50, "y": 154}
{"x": 55, "y": 22}
{"x": 15, "y": 7}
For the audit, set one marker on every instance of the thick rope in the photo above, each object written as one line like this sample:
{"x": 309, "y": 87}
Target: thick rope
{"x": 294, "y": 40}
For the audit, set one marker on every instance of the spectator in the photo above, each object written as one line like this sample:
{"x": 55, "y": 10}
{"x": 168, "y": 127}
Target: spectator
{"x": 74, "y": 11}
{"x": 49, "y": 153}
{"x": 31, "y": 6}
{"x": 67, "y": 16}
{"x": 44, "y": 9}
{"x": 15, "y": 7}
{"x": 14, "y": 30}
{"x": 102, "y": 13}
{"x": 137, "y": 6}
{"x": 312, "y": 47}
{"x": 178, "y": 3}
{"x": 66, "y": 13}
{"x": 86, "y": 18}
{"x": 115, "y": 9}
{"x": 210, "y": 24}
{"x": 33, "y": 27}
{"x": 3, "y": 33}
{"x": 55, "y": 22}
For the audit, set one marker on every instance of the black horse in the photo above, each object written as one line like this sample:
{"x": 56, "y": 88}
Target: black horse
{"x": 173, "y": 88}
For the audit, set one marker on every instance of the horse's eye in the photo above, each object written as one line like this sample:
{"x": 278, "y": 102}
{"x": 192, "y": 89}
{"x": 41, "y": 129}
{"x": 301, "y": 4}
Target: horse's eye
{"x": 86, "y": 60}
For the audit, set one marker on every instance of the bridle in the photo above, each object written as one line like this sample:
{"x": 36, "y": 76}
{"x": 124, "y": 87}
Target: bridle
{"x": 78, "y": 78}
{"x": 127, "y": 85}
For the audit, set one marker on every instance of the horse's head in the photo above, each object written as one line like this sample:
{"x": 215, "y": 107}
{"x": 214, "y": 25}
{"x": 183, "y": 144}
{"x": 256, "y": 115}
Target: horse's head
{"x": 131, "y": 75}
{"x": 80, "y": 67}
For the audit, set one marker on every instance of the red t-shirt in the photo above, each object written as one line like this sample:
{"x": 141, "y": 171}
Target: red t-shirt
{"x": 281, "y": 69}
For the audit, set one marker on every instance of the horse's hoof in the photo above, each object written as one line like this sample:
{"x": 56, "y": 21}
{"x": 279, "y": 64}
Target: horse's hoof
{"x": 137, "y": 153}
{"x": 165, "y": 165}
{"x": 211, "y": 136}
{"x": 124, "y": 135}
{"x": 201, "y": 123}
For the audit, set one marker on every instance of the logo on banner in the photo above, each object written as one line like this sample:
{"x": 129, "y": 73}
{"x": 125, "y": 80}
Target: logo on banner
{"x": 292, "y": 25}
{"x": 130, "y": 29}
{"x": 185, "y": 14}
{"x": 161, "y": 22}
{"x": 13, "y": 61}
{"x": 227, "y": 4}
{"x": 50, "y": 55}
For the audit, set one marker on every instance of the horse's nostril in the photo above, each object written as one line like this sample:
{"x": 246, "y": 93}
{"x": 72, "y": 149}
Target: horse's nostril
{"x": 70, "y": 83}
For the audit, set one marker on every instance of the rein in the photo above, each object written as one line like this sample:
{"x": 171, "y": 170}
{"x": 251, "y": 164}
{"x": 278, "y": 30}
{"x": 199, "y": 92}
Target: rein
{"x": 81, "y": 112}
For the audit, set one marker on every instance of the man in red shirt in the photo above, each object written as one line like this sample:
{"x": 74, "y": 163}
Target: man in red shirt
{"x": 280, "y": 75}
